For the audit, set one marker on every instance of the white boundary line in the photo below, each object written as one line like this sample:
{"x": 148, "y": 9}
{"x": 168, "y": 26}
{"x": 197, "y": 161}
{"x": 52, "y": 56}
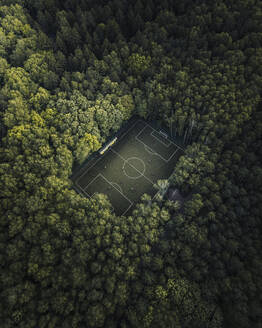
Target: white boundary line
{"x": 169, "y": 139}
{"x": 155, "y": 195}
{"x": 131, "y": 203}
{"x": 138, "y": 172}
{"x": 160, "y": 140}
{"x": 117, "y": 186}
{"x": 98, "y": 193}
{"x": 153, "y": 151}
{"x": 150, "y": 150}
{"x": 82, "y": 191}
{"x": 101, "y": 156}
{"x": 157, "y": 154}
{"x": 163, "y": 134}
{"x": 79, "y": 190}
{"x": 136, "y": 137}
{"x": 92, "y": 181}
{"x": 103, "y": 177}
{"x": 85, "y": 172}
{"x": 125, "y": 160}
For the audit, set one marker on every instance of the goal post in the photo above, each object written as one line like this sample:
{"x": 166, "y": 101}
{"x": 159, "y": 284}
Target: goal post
{"x": 163, "y": 134}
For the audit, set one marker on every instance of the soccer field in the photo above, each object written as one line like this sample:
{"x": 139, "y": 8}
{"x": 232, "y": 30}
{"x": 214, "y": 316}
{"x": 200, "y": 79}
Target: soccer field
{"x": 130, "y": 167}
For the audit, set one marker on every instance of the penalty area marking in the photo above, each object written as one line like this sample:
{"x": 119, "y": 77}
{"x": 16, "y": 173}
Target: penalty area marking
{"x": 111, "y": 184}
{"x": 149, "y": 150}
{"x": 157, "y": 154}
{"x": 95, "y": 193}
{"x": 82, "y": 191}
{"x": 172, "y": 142}
{"x": 153, "y": 151}
{"x": 166, "y": 145}
{"x": 117, "y": 186}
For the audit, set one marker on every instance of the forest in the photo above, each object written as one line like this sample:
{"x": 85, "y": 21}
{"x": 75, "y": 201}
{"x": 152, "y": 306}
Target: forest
{"x": 72, "y": 72}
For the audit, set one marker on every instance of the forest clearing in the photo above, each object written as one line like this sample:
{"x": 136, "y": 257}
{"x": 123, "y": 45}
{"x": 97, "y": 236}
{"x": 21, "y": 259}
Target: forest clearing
{"x": 130, "y": 168}
{"x": 108, "y": 223}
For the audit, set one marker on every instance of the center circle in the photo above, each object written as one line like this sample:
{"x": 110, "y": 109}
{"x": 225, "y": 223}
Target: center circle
{"x": 134, "y": 167}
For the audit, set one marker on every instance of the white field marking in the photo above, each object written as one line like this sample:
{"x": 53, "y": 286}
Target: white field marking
{"x": 86, "y": 171}
{"x": 103, "y": 177}
{"x": 155, "y": 195}
{"x": 141, "y": 174}
{"x": 113, "y": 206}
{"x": 101, "y": 156}
{"x": 129, "y": 129}
{"x": 81, "y": 189}
{"x": 131, "y": 203}
{"x": 132, "y": 166}
{"x": 163, "y": 134}
{"x": 98, "y": 193}
{"x": 127, "y": 209}
{"x": 169, "y": 142}
{"x": 97, "y": 176}
{"x": 93, "y": 194}
{"x": 117, "y": 186}
{"x": 77, "y": 189}
{"x": 153, "y": 151}
{"x": 136, "y": 137}
{"x": 167, "y": 189}
{"x": 158, "y": 191}
{"x": 149, "y": 150}
{"x": 157, "y": 154}
{"x": 147, "y": 125}
{"x": 172, "y": 155}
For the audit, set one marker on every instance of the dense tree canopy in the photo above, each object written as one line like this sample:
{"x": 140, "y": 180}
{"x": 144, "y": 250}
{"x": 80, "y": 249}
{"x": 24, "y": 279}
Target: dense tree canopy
{"x": 71, "y": 73}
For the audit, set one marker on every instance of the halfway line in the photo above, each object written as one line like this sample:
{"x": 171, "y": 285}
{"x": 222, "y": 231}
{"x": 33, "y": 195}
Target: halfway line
{"x": 132, "y": 166}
